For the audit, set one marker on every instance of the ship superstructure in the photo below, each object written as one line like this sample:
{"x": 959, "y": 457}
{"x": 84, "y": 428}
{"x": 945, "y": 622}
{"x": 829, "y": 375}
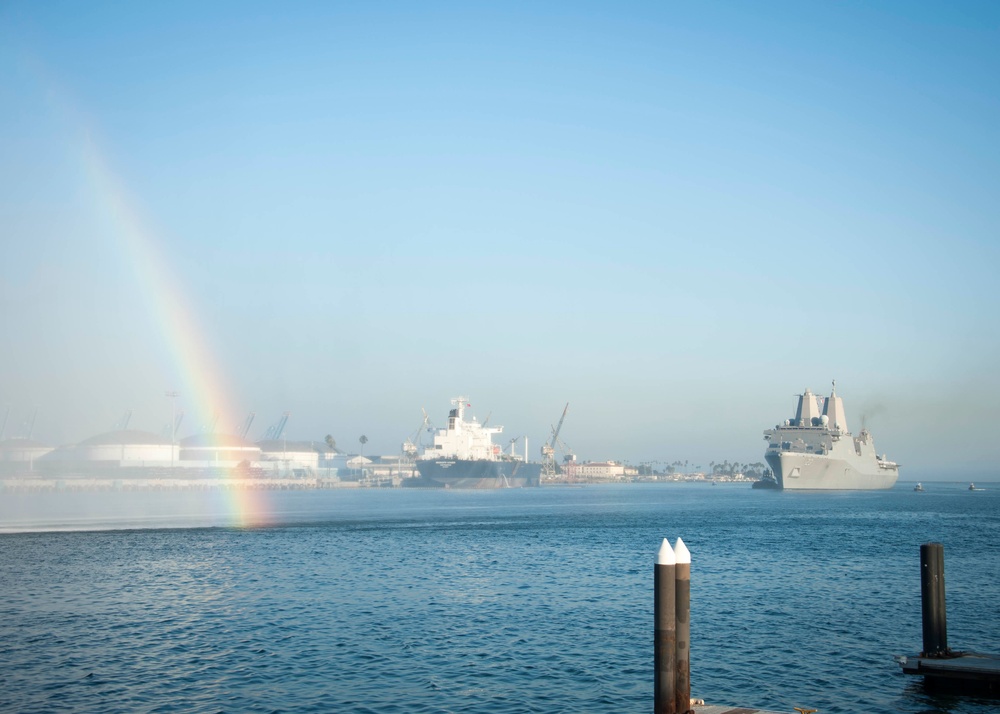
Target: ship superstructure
{"x": 463, "y": 455}
{"x": 815, "y": 451}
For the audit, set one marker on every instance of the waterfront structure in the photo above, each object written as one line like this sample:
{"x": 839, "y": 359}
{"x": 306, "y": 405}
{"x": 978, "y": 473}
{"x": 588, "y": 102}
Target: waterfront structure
{"x": 596, "y": 471}
{"x": 123, "y": 448}
{"x": 289, "y": 456}
{"x": 217, "y": 450}
{"x": 20, "y": 454}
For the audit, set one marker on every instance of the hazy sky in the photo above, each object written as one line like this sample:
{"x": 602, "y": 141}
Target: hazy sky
{"x": 672, "y": 215}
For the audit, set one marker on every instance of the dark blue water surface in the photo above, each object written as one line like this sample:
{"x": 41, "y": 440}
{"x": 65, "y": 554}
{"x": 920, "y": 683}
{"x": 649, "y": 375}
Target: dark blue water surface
{"x": 530, "y": 600}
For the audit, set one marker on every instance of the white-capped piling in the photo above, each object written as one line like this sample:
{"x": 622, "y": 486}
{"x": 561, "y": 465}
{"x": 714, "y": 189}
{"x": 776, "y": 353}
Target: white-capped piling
{"x": 665, "y": 631}
{"x": 935, "y": 624}
{"x": 682, "y": 608}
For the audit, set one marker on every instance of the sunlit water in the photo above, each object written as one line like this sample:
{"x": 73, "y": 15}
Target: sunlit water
{"x": 532, "y": 600}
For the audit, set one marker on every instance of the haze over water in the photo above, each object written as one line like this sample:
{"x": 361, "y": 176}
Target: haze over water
{"x": 502, "y": 601}
{"x": 672, "y": 216}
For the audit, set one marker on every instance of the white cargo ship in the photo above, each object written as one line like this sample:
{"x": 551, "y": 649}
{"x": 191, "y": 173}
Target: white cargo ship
{"x": 464, "y": 456}
{"x": 815, "y": 451}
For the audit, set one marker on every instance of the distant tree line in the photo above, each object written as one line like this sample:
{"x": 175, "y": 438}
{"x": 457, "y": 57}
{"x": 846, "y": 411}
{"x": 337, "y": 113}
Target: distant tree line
{"x": 755, "y": 470}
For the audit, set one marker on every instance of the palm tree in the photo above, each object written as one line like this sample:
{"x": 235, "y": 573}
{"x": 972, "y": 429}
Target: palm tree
{"x": 363, "y": 440}
{"x": 331, "y": 442}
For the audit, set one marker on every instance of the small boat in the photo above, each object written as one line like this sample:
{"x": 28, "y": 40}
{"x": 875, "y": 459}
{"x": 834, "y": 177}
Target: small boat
{"x": 918, "y": 487}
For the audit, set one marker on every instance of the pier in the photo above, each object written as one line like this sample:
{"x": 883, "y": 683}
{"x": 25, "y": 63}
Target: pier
{"x": 961, "y": 671}
{"x": 715, "y": 709}
{"x": 941, "y": 667}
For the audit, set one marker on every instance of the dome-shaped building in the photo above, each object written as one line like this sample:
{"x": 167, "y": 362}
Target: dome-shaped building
{"x": 217, "y": 450}
{"x": 126, "y": 447}
{"x": 21, "y": 450}
{"x": 20, "y": 454}
{"x": 300, "y": 457}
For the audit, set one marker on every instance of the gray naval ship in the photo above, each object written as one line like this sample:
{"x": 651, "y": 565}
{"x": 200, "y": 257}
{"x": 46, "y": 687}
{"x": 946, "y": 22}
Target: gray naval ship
{"x": 815, "y": 451}
{"x": 464, "y": 456}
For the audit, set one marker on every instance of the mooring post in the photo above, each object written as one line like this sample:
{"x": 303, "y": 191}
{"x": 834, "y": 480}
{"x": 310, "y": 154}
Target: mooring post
{"x": 682, "y": 578}
{"x": 665, "y": 632}
{"x": 932, "y": 599}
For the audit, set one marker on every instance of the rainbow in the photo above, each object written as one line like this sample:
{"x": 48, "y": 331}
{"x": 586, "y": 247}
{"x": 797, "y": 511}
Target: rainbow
{"x": 201, "y": 384}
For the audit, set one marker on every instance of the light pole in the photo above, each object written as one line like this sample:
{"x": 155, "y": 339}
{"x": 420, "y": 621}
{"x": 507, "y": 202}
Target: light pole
{"x": 173, "y": 424}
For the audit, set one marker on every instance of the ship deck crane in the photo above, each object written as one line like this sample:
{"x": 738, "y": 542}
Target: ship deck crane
{"x": 549, "y": 449}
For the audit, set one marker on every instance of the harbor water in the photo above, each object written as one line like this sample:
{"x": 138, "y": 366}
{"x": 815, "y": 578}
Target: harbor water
{"x": 521, "y": 600}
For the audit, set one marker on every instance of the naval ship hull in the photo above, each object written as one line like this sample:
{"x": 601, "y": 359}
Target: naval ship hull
{"x": 476, "y": 473}
{"x": 813, "y": 472}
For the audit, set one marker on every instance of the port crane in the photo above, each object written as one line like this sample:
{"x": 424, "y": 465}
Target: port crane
{"x": 27, "y": 426}
{"x": 549, "y": 449}
{"x": 166, "y": 432}
{"x": 122, "y": 424}
{"x": 275, "y": 431}
{"x": 30, "y": 425}
{"x": 245, "y": 429}
{"x": 210, "y": 427}
{"x": 411, "y": 447}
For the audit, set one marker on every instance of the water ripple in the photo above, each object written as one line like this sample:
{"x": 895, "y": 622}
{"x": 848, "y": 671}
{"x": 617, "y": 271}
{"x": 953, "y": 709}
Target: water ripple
{"x": 525, "y": 601}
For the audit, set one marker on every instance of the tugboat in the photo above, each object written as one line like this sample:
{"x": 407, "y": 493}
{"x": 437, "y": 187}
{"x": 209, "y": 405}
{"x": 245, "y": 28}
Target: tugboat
{"x": 766, "y": 482}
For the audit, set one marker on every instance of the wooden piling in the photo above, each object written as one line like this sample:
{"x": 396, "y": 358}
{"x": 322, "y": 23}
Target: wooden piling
{"x": 935, "y": 624}
{"x": 682, "y": 589}
{"x": 665, "y": 631}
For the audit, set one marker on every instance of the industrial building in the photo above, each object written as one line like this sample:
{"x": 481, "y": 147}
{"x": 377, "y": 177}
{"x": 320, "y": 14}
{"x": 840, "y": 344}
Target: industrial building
{"x": 217, "y": 450}
{"x": 20, "y": 454}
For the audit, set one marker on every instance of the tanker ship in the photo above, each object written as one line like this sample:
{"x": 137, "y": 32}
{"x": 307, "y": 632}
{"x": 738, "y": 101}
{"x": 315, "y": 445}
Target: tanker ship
{"x": 464, "y": 456}
{"x": 815, "y": 451}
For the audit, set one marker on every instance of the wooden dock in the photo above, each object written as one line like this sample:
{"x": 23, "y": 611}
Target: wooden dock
{"x": 715, "y": 709}
{"x": 963, "y": 670}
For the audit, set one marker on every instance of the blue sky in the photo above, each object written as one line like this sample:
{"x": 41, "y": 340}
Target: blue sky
{"x": 673, "y": 216}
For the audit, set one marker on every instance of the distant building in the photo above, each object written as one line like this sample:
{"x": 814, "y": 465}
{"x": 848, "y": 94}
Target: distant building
{"x": 20, "y": 454}
{"x": 301, "y": 458}
{"x": 124, "y": 448}
{"x": 595, "y": 470}
{"x": 217, "y": 450}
